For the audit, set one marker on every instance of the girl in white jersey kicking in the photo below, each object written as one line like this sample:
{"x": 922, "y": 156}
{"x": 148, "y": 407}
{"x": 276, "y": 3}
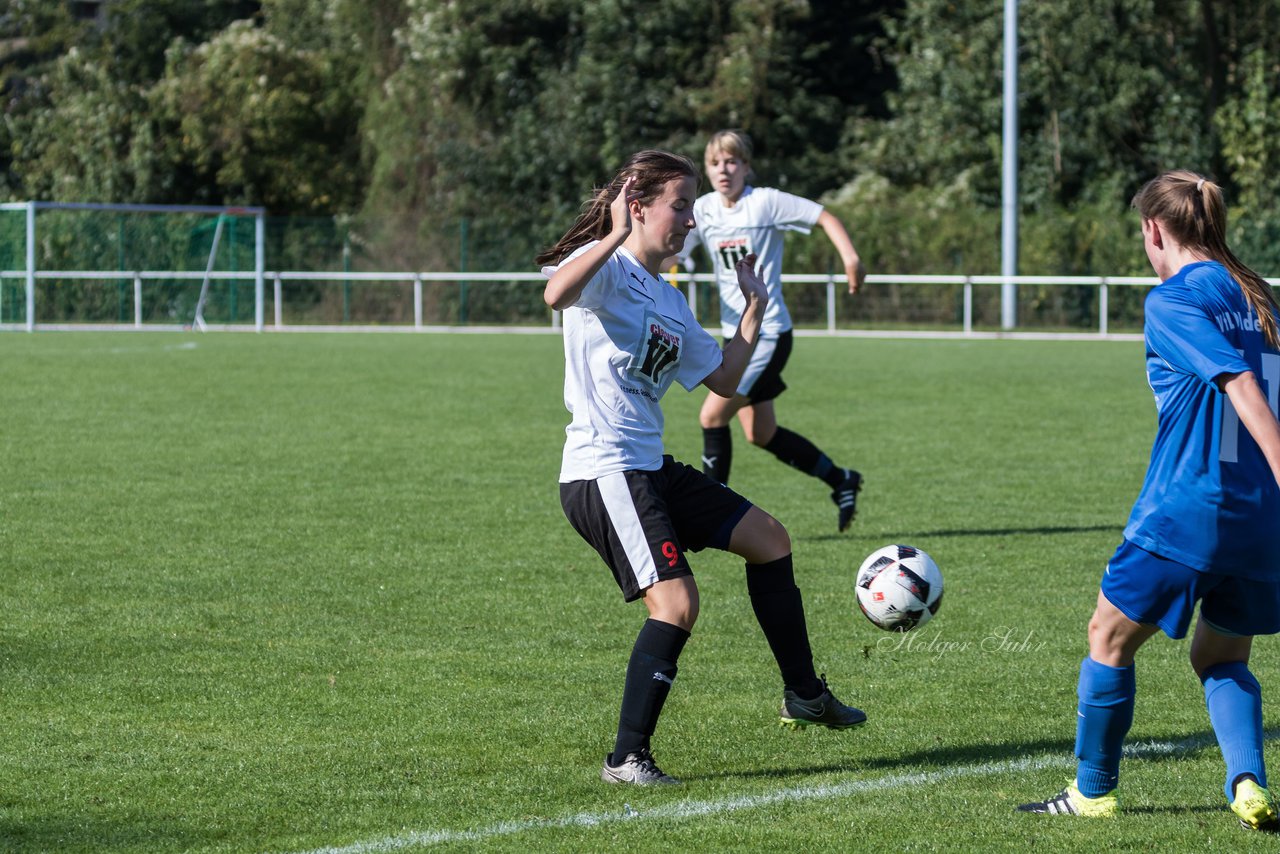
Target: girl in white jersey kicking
{"x": 734, "y": 221}
{"x": 627, "y": 336}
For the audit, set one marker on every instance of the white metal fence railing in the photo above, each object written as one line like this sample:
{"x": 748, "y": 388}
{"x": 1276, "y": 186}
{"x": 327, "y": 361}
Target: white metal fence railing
{"x": 416, "y": 280}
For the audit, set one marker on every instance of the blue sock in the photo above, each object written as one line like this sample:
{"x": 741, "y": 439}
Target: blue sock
{"x": 1104, "y": 716}
{"x": 1234, "y": 699}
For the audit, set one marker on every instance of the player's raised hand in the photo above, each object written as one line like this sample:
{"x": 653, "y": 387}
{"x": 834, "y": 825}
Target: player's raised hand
{"x": 753, "y": 287}
{"x": 620, "y": 208}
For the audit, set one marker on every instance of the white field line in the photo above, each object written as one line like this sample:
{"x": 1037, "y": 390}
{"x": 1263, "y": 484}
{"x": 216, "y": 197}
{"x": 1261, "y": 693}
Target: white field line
{"x": 694, "y": 809}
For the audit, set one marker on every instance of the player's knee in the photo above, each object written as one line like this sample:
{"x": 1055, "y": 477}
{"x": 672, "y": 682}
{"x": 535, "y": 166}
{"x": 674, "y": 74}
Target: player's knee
{"x": 683, "y": 614}
{"x": 682, "y": 618}
{"x": 1101, "y": 638}
{"x": 689, "y": 606}
{"x": 774, "y": 536}
{"x": 716, "y": 411}
{"x": 1114, "y": 638}
{"x": 760, "y": 538}
{"x": 674, "y": 602}
{"x": 1199, "y": 663}
{"x": 1210, "y": 649}
{"x": 711, "y": 416}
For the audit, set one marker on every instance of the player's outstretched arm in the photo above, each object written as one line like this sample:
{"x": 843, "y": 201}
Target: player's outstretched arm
{"x": 1255, "y": 414}
{"x": 854, "y": 271}
{"x": 737, "y": 353}
{"x": 567, "y": 283}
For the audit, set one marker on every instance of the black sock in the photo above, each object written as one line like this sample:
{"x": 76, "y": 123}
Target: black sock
{"x": 799, "y": 453}
{"x": 650, "y": 673}
{"x": 780, "y": 612}
{"x": 717, "y": 453}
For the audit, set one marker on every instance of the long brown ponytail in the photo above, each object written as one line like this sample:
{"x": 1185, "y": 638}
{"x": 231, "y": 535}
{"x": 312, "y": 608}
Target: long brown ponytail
{"x": 1191, "y": 209}
{"x": 651, "y": 168}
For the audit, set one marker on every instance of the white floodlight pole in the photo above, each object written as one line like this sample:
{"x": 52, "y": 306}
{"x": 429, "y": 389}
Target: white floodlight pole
{"x": 31, "y": 266}
{"x": 1009, "y": 185}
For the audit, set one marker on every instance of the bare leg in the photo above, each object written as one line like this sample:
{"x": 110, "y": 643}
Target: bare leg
{"x": 759, "y": 422}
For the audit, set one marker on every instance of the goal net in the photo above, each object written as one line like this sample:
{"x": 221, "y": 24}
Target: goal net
{"x": 129, "y": 264}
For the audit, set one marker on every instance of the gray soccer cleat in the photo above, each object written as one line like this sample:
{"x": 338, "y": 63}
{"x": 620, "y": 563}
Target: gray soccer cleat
{"x": 825, "y": 710}
{"x": 638, "y": 769}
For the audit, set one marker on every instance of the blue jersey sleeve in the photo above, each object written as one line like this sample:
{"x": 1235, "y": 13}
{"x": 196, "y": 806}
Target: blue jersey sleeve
{"x": 1181, "y": 332}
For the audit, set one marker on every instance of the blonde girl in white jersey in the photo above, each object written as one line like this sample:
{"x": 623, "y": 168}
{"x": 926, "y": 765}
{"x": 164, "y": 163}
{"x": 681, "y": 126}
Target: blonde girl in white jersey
{"x": 627, "y": 337}
{"x": 735, "y": 220}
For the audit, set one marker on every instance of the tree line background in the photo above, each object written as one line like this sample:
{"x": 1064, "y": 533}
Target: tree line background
{"x": 433, "y": 128}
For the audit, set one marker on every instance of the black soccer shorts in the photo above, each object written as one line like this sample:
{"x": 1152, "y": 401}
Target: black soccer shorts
{"x": 643, "y": 522}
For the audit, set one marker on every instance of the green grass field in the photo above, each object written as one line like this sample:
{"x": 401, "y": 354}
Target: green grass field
{"x": 281, "y": 593}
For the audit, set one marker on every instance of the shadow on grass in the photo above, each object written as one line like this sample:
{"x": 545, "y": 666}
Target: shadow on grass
{"x": 941, "y": 760}
{"x": 975, "y": 532}
{"x": 79, "y": 833}
{"x": 1205, "y": 808}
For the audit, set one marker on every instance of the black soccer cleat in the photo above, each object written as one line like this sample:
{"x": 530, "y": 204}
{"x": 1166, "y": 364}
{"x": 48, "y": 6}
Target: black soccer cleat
{"x": 824, "y": 710}
{"x": 845, "y": 497}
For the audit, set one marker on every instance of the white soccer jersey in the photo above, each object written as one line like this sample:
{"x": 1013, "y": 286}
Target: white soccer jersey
{"x": 626, "y": 339}
{"x": 756, "y": 223}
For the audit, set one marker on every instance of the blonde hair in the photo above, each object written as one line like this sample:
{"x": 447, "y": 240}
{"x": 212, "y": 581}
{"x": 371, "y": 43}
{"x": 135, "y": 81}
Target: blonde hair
{"x": 652, "y": 169}
{"x": 733, "y": 142}
{"x": 1190, "y": 207}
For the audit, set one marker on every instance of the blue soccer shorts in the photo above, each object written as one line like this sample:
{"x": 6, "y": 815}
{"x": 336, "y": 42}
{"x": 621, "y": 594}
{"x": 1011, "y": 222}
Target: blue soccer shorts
{"x": 1154, "y": 590}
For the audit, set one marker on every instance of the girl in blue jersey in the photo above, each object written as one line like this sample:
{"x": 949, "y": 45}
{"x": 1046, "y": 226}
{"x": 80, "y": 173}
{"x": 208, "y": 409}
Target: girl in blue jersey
{"x": 1206, "y": 525}
{"x": 628, "y": 336}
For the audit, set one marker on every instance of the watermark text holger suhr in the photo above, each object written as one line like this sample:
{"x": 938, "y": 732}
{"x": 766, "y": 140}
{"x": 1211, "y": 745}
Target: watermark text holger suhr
{"x": 1003, "y": 640}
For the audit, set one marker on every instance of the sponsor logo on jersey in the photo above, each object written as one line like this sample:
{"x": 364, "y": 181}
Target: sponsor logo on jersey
{"x": 732, "y": 250}
{"x": 658, "y": 352}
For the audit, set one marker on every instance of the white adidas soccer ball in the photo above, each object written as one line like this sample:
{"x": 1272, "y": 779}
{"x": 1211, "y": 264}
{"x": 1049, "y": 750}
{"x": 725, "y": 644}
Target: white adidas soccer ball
{"x": 899, "y": 588}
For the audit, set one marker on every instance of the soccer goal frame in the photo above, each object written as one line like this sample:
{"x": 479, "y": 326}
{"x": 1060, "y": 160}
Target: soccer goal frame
{"x": 259, "y": 254}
